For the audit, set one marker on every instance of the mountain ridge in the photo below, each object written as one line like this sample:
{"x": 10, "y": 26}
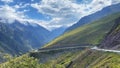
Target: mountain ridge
{"x": 95, "y": 16}
{"x": 91, "y": 33}
{"x": 17, "y": 37}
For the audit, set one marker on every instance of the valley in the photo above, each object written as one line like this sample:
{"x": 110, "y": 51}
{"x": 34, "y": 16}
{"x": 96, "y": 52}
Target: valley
{"x": 92, "y": 42}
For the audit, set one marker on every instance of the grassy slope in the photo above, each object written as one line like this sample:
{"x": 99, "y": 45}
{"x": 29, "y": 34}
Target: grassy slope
{"x": 96, "y": 59}
{"x": 85, "y": 59}
{"x": 21, "y": 62}
{"x": 91, "y": 33}
{"x": 29, "y": 62}
{"x": 62, "y": 60}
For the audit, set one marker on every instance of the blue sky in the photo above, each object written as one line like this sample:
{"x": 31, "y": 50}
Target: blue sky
{"x": 50, "y": 14}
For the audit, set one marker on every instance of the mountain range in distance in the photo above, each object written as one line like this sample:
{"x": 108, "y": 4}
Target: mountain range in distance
{"x": 18, "y": 38}
{"x": 25, "y": 37}
{"x": 64, "y": 47}
{"x": 95, "y": 16}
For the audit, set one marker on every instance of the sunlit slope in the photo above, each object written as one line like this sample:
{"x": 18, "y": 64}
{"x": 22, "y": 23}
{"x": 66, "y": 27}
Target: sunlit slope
{"x": 92, "y": 33}
{"x": 96, "y": 59}
{"x": 80, "y": 59}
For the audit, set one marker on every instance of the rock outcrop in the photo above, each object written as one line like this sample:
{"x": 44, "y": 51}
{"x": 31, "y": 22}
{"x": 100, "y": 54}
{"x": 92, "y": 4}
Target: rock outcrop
{"x": 112, "y": 39}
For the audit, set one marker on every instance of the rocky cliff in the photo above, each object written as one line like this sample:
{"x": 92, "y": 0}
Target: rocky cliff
{"x": 112, "y": 39}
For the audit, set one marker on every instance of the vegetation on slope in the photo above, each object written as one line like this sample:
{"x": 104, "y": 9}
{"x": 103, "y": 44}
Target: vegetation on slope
{"x": 57, "y": 58}
{"x": 96, "y": 59}
{"x": 112, "y": 39}
{"x": 21, "y": 62}
{"x": 29, "y": 62}
{"x": 76, "y": 59}
{"x": 92, "y": 33}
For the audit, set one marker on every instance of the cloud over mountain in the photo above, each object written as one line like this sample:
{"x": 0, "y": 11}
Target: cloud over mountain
{"x": 51, "y": 13}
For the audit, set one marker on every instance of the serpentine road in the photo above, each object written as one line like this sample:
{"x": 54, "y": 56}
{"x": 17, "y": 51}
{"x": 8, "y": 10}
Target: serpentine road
{"x": 105, "y": 50}
{"x": 59, "y": 48}
{"x": 74, "y": 47}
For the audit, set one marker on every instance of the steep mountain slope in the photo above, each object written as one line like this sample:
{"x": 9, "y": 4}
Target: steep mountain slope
{"x": 18, "y": 38}
{"x": 55, "y": 33}
{"x": 70, "y": 59}
{"x": 73, "y": 58}
{"x": 112, "y": 39}
{"x": 91, "y": 33}
{"x": 8, "y": 44}
{"x": 33, "y": 35}
{"x": 96, "y": 59}
{"x": 96, "y": 16}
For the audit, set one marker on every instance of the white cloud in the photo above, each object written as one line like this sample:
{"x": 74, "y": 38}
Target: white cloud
{"x": 21, "y": 5}
{"x": 62, "y": 12}
{"x": 67, "y": 12}
{"x": 7, "y": 1}
{"x": 32, "y": 0}
{"x": 10, "y": 14}
{"x": 115, "y": 1}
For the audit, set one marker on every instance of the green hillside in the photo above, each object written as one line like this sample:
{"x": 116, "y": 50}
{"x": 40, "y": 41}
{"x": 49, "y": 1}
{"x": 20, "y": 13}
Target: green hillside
{"x": 20, "y": 62}
{"x": 96, "y": 59}
{"x": 81, "y": 59}
{"x": 92, "y": 33}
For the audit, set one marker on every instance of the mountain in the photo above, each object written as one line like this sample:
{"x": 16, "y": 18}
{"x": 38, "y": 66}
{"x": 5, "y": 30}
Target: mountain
{"x": 105, "y": 32}
{"x": 56, "y": 32}
{"x": 112, "y": 39}
{"x": 96, "y": 16}
{"x": 92, "y": 33}
{"x": 108, "y": 26}
{"x": 16, "y": 38}
{"x": 32, "y": 34}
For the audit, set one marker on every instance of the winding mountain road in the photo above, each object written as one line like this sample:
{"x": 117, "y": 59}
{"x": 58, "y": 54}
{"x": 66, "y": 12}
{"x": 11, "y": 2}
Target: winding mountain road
{"x": 60, "y": 48}
{"x": 105, "y": 50}
{"x": 74, "y": 47}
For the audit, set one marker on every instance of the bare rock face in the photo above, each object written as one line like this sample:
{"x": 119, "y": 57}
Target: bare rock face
{"x": 112, "y": 39}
